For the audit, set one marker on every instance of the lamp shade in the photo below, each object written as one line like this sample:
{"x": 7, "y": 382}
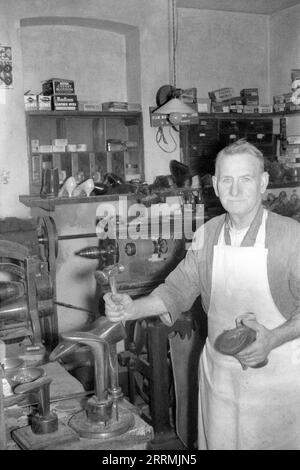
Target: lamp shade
{"x": 175, "y": 105}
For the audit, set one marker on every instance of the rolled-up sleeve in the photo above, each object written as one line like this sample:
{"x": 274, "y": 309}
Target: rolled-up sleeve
{"x": 295, "y": 269}
{"x": 182, "y": 285}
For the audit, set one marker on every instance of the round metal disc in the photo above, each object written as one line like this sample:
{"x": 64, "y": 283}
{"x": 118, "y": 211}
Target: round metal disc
{"x": 84, "y": 428}
{"x": 231, "y": 342}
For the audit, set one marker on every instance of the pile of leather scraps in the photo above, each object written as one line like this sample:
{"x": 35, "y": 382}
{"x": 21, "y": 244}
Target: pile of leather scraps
{"x": 180, "y": 177}
{"x": 147, "y": 194}
{"x": 284, "y": 205}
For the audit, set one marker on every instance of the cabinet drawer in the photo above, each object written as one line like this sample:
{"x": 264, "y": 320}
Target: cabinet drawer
{"x": 205, "y": 130}
{"x": 259, "y": 126}
{"x": 260, "y": 138}
{"x": 201, "y": 150}
{"x": 231, "y": 126}
{"x": 202, "y": 165}
{"x": 227, "y": 139}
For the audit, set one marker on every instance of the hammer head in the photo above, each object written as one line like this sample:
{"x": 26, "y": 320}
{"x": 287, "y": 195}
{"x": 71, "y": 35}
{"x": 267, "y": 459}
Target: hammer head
{"x": 108, "y": 274}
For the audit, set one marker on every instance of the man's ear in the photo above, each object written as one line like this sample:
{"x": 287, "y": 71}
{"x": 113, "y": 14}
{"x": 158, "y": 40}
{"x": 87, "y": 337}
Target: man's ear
{"x": 215, "y": 185}
{"x": 264, "y": 181}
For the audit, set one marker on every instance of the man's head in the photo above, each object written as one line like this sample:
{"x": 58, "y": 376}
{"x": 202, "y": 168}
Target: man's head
{"x": 240, "y": 179}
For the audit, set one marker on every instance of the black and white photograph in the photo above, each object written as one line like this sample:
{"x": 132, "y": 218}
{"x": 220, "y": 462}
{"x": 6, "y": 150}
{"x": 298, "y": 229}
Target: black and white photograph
{"x": 149, "y": 229}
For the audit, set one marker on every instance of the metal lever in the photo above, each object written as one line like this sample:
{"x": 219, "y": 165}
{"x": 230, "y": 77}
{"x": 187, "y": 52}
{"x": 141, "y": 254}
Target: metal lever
{"x": 45, "y": 421}
{"x": 92, "y": 340}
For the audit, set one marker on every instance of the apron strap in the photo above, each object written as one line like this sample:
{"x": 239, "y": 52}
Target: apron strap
{"x": 250, "y": 237}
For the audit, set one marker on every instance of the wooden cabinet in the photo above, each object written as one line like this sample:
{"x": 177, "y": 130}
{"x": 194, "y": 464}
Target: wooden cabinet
{"x": 201, "y": 142}
{"x": 99, "y": 142}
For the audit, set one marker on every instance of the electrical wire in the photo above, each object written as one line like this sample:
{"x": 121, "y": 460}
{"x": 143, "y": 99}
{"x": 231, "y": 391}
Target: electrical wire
{"x": 174, "y": 39}
{"x": 160, "y": 136}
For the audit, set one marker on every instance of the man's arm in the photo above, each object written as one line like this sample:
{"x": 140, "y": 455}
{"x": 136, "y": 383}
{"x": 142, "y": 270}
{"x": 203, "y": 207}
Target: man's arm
{"x": 266, "y": 340}
{"x": 121, "y": 307}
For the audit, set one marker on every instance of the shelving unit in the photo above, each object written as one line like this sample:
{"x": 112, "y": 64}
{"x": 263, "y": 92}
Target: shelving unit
{"x": 201, "y": 142}
{"x": 93, "y": 129}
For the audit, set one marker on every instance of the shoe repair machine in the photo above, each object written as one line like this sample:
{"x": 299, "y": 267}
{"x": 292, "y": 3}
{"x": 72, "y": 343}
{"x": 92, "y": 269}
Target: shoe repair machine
{"x": 29, "y": 330}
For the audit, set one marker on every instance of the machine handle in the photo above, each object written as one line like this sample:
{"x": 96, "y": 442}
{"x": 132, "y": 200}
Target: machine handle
{"x": 82, "y": 337}
{"x": 30, "y": 386}
{"x": 42, "y": 385}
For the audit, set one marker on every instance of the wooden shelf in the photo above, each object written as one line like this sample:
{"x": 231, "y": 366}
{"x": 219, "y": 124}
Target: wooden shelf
{"x": 49, "y": 204}
{"x": 287, "y": 184}
{"x": 66, "y": 114}
{"x": 247, "y": 115}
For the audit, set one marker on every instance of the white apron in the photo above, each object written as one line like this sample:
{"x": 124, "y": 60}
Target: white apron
{"x": 253, "y": 408}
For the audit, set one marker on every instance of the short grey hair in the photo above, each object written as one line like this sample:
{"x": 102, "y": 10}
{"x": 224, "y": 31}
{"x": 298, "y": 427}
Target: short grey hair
{"x": 241, "y": 146}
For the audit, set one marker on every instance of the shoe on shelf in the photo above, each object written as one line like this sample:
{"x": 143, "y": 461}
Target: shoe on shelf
{"x": 68, "y": 187}
{"x": 84, "y": 188}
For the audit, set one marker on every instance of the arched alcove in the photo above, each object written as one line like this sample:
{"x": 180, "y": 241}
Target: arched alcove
{"x": 102, "y": 57}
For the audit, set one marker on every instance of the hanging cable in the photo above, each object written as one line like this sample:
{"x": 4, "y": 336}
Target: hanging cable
{"x": 174, "y": 40}
{"x": 160, "y": 137}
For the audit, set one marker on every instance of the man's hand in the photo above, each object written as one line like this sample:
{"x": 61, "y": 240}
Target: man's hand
{"x": 119, "y": 307}
{"x": 258, "y": 351}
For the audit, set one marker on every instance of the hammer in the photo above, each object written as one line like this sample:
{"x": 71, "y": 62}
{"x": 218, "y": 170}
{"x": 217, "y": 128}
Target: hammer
{"x": 109, "y": 274}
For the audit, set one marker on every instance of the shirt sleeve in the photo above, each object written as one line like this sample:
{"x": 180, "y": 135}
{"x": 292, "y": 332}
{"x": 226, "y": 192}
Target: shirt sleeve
{"x": 182, "y": 285}
{"x": 294, "y": 276}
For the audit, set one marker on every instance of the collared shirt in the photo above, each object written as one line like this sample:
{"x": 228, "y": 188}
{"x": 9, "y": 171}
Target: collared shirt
{"x": 193, "y": 276}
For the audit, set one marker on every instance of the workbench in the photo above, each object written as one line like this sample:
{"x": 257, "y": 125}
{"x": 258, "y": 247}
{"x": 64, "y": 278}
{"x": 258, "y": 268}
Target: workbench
{"x": 67, "y": 397}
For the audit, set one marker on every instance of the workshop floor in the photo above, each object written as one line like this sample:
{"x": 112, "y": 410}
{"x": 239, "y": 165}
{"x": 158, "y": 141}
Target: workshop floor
{"x": 167, "y": 444}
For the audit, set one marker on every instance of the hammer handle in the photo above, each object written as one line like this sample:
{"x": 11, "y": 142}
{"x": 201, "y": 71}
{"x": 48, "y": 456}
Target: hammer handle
{"x": 113, "y": 284}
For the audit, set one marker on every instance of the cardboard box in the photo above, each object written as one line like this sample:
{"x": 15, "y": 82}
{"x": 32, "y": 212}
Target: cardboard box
{"x": 203, "y": 105}
{"x": 250, "y": 101}
{"x": 249, "y": 92}
{"x": 265, "y": 108}
{"x": 293, "y": 149}
{"x": 235, "y": 100}
{"x": 279, "y": 107}
{"x": 220, "y": 108}
{"x": 89, "y": 106}
{"x": 63, "y": 142}
{"x": 58, "y": 86}
{"x": 45, "y": 148}
{"x": 293, "y": 139}
{"x": 220, "y": 95}
{"x": 58, "y": 148}
{"x": 288, "y": 97}
{"x": 44, "y": 103}
{"x": 81, "y": 147}
{"x": 189, "y": 95}
{"x": 64, "y": 102}
{"x": 134, "y": 107}
{"x": 71, "y": 148}
{"x": 117, "y": 106}
{"x": 31, "y": 103}
{"x": 295, "y": 73}
{"x": 278, "y": 99}
{"x": 250, "y": 109}
{"x": 35, "y": 145}
{"x": 65, "y": 108}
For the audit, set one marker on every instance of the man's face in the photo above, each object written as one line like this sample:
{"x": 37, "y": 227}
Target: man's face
{"x": 239, "y": 183}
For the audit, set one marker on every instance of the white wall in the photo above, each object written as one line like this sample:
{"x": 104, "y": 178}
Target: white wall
{"x": 151, "y": 19}
{"x": 215, "y": 49}
{"x": 219, "y": 49}
{"x": 61, "y": 51}
{"x": 284, "y": 48}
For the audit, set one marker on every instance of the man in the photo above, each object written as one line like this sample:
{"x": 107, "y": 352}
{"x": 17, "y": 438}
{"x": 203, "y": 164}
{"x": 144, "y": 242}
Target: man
{"x": 245, "y": 264}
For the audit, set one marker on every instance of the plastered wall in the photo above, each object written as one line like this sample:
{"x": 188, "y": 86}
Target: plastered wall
{"x": 284, "y": 48}
{"x": 219, "y": 49}
{"x": 215, "y": 49}
{"x": 150, "y": 55}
